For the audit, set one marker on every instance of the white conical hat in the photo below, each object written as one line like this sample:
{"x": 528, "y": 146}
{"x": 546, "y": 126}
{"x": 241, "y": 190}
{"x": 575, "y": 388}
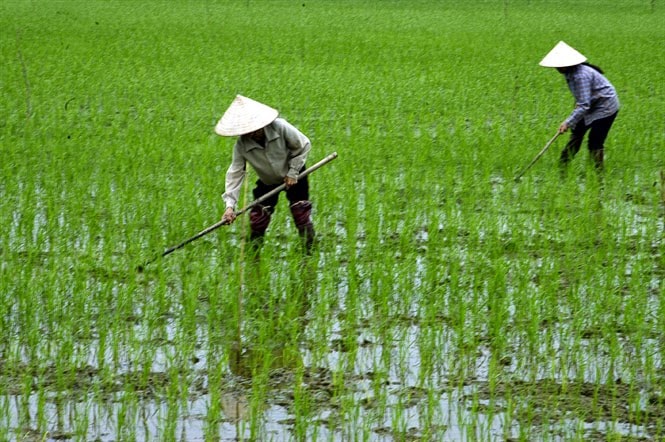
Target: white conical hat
{"x": 562, "y": 56}
{"x": 244, "y": 116}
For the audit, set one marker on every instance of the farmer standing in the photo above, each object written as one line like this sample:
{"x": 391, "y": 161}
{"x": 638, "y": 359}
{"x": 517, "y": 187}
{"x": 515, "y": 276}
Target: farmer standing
{"x": 277, "y": 151}
{"x": 596, "y": 103}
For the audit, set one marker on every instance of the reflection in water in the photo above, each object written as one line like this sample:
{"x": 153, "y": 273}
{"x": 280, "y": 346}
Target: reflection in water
{"x": 235, "y": 406}
{"x": 255, "y": 368}
{"x": 272, "y": 320}
{"x": 267, "y": 337}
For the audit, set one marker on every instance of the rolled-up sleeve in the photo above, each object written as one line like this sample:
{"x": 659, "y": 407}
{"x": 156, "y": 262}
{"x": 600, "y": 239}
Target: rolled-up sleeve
{"x": 299, "y": 147}
{"x": 234, "y": 177}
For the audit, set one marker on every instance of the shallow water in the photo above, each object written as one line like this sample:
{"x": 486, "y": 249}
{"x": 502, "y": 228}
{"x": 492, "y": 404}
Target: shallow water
{"x": 387, "y": 392}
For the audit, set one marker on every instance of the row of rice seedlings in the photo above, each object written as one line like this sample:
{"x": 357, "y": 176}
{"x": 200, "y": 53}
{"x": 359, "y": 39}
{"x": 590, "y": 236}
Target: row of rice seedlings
{"x": 532, "y": 322}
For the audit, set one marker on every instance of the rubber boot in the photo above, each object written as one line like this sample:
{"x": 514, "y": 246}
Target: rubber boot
{"x": 301, "y": 212}
{"x": 259, "y": 219}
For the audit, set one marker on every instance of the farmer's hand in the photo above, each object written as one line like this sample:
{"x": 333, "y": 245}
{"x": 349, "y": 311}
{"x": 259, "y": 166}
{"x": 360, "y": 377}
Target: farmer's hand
{"x": 563, "y": 127}
{"x": 290, "y": 181}
{"x": 229, "y": 215}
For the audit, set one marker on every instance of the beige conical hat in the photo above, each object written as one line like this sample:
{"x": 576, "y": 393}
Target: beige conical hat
{"x": 562, "y": 56}
{"x": 244, "y": 116}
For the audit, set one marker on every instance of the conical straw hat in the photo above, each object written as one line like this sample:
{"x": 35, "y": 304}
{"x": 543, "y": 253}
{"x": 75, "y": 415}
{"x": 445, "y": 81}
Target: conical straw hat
{"x": 562, "y": 56}
{"x": 244, "y": 116}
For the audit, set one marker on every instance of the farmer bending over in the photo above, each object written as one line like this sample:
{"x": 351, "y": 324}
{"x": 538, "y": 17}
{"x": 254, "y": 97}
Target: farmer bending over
{"x": 277, "y": 151}
{"x": 596, "y": 103}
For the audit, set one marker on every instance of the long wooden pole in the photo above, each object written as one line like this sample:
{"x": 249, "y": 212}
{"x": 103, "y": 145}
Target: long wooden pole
{"x": 540, "y": 154}
{"x": 259, "y": 200}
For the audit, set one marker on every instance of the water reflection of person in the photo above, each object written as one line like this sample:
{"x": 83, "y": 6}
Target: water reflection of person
{"x": 596, "y": 103}
{"x": 271, "y": 328}
{"x": 235, "y": 406}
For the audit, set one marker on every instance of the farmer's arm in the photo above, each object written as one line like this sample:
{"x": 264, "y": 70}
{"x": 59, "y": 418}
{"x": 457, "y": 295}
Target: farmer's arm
{"x": 234, "y": 177}
{"x": 299, "y": 147}
{"x": 581, "y": 88}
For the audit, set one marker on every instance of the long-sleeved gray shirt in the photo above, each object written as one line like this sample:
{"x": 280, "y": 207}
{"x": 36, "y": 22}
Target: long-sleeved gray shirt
{"x": 284, "y": 155}
{"x": 595, "y": 97}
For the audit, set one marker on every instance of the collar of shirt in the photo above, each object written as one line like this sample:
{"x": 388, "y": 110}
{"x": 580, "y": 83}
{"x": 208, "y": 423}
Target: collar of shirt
{"x": 270, "y": 134}
{"x": 572, "y": 73}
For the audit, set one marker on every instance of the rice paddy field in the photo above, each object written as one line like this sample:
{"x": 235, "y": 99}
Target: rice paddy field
{"x": 443, "y": 301}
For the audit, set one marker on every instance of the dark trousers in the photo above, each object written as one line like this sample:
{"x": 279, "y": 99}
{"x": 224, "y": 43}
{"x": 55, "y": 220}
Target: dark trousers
{"x": 300, "y": 206}
{"x": 598, "y": 131}
{"x": 295, "y": 193}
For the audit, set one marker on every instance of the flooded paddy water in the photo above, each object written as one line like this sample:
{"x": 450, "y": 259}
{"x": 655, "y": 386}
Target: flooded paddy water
{"x": 411, "y": 345}
{"x": 443, "y": 300}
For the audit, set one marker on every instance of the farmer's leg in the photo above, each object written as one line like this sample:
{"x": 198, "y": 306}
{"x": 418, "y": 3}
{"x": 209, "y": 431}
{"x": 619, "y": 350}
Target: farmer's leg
{"x": 597, "y": 135}
{"x": 301, "y": 210}
{"x": 573, "y": 145}
{"x": 259, "y": 215}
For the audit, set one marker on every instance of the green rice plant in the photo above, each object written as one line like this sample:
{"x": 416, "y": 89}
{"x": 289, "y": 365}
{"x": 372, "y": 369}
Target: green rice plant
{"x": 302, "y": 408}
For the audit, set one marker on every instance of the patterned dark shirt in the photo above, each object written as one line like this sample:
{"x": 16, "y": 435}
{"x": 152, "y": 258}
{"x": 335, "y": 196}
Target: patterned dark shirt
{"x": 595, "y": 97}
